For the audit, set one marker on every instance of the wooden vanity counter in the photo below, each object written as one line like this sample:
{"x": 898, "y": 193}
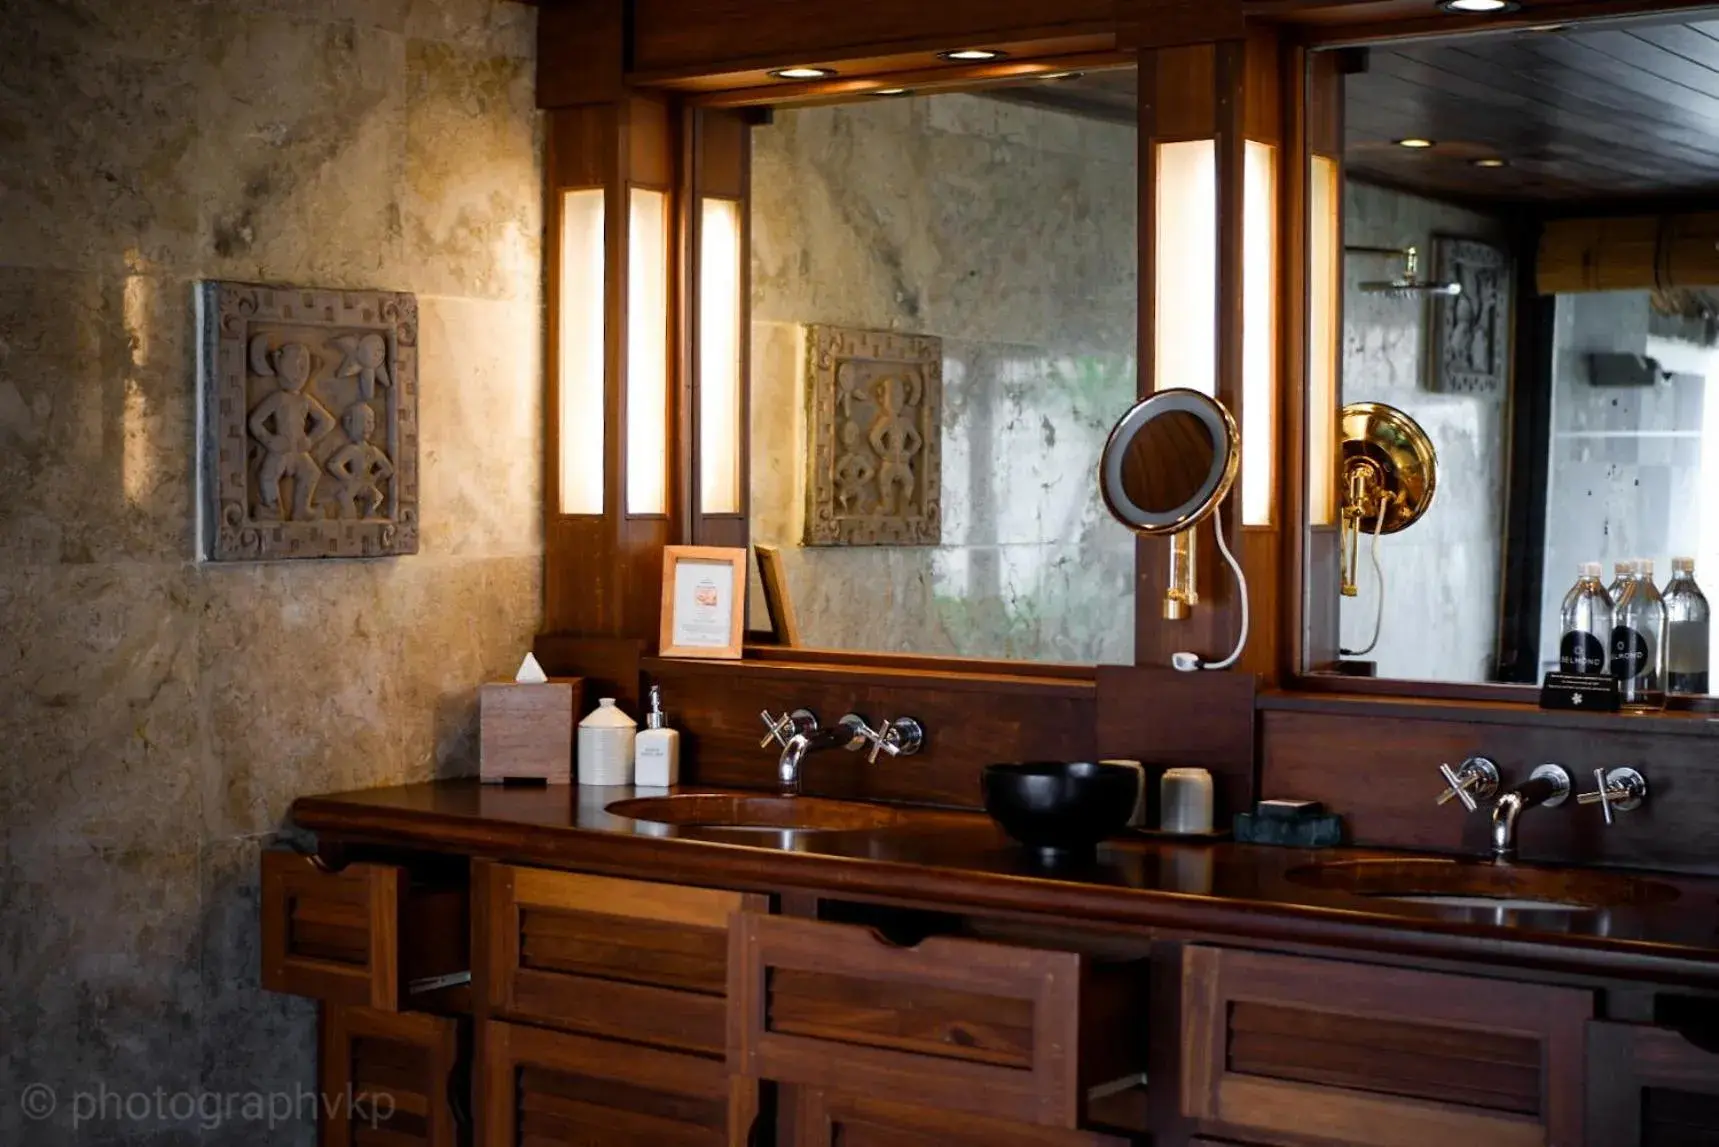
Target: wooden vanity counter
{"x": 961, "y": 862}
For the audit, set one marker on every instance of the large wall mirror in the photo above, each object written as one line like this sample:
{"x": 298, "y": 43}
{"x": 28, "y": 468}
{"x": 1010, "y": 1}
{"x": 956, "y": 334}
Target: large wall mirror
{"x": 1509, "y": 253}
{"x": 944, "y": 312}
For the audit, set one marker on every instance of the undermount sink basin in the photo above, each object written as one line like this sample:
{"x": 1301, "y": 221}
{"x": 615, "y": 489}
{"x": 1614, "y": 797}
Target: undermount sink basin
{"x": 774, "y": 814}
{"x": 1472, "y": 885}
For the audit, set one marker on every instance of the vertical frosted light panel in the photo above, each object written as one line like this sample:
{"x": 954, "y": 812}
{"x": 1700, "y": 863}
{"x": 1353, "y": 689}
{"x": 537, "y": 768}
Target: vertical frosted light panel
{"x": 579, "y": 337}
{"x": 1185, "y": 271}
{"x": 647, "y": 352}
{"x": 719, "y": 356}
{"x": 1324, "y": 307}
{"x": 1259, "y": 330}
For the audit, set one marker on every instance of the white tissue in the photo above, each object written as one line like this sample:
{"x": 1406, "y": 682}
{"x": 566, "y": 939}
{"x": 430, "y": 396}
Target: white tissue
{"x": 530, "y": 672}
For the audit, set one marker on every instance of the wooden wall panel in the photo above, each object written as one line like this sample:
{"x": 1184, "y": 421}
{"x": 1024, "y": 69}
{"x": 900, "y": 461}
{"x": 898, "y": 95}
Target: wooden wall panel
{"x": 1163, "y": 719}
{"x": 581, "y": 52}
{"x": 969, "y": 722}
{"x": 690, "y": 36}
{"x": 1377, "y": 764}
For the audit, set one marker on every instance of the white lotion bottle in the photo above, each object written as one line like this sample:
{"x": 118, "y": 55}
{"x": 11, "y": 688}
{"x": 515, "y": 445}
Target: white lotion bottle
{"x": 656, "y": 751}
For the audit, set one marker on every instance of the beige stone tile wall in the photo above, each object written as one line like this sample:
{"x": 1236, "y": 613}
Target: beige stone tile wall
{"x": 157, "y": 717}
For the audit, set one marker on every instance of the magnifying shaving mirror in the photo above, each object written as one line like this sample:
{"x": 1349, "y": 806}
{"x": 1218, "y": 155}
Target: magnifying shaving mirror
{"x": 1166, "y": 468}
{"x": 1389, "y": 473}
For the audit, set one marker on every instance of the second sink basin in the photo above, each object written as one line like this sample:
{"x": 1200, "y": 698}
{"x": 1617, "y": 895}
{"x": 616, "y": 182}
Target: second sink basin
{"x": 735, "y": 811}
{"x": 1475, "y": 885}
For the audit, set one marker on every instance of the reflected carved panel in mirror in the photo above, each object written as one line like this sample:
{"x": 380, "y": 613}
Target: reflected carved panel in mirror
{"x": 874, "y": 462}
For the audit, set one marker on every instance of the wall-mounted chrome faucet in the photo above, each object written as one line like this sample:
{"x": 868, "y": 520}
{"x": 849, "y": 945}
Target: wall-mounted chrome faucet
{"x": 799, "y": 735}
{"x": 1548, "y": 786}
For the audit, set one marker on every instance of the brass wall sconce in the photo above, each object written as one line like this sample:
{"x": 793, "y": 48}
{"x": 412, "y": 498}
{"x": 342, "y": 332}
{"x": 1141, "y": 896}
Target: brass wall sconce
{"x": 1388, "y": 473}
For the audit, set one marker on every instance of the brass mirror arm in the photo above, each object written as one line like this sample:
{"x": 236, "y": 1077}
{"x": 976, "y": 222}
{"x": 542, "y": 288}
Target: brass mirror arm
{"x": 1182, "y": 592}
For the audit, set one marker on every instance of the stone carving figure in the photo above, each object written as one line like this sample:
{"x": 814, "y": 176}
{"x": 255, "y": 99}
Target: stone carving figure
{"x": 367, "y": 358}
{"x": 360, "y": 466}
{"x": 896, "y": 441}
{"x": 854, "y": 471}
{"x": 287, "y": 424}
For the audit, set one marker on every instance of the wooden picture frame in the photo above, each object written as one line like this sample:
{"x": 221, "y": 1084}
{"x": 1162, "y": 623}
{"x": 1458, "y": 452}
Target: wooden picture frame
{"x": 704, "y": 602}
{"x": 778, "y": 602}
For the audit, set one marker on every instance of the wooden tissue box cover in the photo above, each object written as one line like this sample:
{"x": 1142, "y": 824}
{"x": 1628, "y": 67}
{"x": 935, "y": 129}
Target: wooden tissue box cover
{"x": 526, "y": 731}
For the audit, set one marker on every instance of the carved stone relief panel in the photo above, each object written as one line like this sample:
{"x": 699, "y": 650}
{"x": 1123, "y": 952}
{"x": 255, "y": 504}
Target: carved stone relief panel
{"x": 874, "y": 443}
{"x": 310, "y": 423}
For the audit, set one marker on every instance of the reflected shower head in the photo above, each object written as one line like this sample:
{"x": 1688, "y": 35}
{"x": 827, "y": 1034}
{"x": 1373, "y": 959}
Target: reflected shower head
{"x": 1409, "y": 284}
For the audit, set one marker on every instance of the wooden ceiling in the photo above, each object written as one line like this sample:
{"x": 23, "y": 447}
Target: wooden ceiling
{"x": 1112, "y": 95}
{"x": 1590, "y": 114}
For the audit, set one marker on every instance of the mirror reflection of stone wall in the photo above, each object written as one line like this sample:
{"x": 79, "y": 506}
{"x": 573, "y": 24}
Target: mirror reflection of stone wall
{"x": 1008, "y": 231}
{"x": 1447, "y": 566}
{"x": 1634, "y": 470}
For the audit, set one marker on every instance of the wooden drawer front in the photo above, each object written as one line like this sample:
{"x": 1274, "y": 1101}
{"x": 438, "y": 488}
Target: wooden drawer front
{"x": 553, "y": 1089}
{"x": 389, "y": 1078}
{"x": 364, "y": 935}
{"x": 836, "y": 1119}
{"x": 618, "y": 958}
{"x": 1379, "y": 1057}
{"x": 954, "y": 1024}
{"x": 1650, "y": 1087}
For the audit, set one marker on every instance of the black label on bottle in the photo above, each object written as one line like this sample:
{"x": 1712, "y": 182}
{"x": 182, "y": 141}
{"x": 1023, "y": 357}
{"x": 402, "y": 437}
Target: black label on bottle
{"x": 1630, "y": 656}
{"x": 1581, "y": 652}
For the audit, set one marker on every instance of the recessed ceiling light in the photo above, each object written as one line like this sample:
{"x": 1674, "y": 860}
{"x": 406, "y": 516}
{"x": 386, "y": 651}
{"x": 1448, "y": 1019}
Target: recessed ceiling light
{"x": 1414, "y": 143}
{"x": 1062, "y": 75}
{"x": 972, "y": 55}
{"x": 1490, "y": 161}
{"x": 892, "y": 92}
{"x": 803, "y": 73}
{"x": 1486, "y": 7}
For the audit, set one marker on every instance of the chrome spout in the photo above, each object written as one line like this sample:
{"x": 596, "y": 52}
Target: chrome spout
{"x": 1547, "y": 786}
{"x": 848, "y": 733}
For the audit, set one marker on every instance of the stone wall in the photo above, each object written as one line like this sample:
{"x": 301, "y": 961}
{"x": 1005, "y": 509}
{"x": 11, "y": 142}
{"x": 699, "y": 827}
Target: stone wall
{"x": 159, "y": 716}
{"x": 1446, "y": 566}
{"x": 1010, "y": 232}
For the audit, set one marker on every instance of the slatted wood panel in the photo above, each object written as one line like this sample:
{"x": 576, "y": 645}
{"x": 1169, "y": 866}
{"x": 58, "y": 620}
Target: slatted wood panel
{"x": 332, "y": 936}
{"x": 1583, "y": 113}
{"x": 833, "y": 1119}
{"x": 551, "y": 1089}
{"x": 909, "y": 1017}
{"x": 1378, "y": 1056}
{"x": 1426, "y": 1061}
{"x": 387, "y": 1079}
{"x": 624, "y": 959}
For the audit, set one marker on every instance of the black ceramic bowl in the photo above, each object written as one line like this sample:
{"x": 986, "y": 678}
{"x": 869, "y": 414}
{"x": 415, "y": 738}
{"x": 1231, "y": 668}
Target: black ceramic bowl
{"x": 1060, "y": 809}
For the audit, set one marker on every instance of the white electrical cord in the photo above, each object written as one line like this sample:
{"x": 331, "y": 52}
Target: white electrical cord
{"x": 1191, "y": 662}
{"x": 1379, "y": 573}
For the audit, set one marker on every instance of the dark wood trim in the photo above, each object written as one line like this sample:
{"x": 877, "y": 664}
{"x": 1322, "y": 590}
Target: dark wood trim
{"x": 1530, "y": 414}
{"x": 922, "y": 663}
{"x": 1347, "y": 697}
{"x": 1336, "y": 23}
{"x": 922, "y": 80}
{"x": 861, "y": 676}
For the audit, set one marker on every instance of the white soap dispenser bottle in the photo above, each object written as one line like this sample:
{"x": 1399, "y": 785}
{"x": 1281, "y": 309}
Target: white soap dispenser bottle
{"x": 656, "y": 752}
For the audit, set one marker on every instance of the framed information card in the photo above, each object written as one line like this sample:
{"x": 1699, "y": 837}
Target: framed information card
{"x": 704, "y": 601}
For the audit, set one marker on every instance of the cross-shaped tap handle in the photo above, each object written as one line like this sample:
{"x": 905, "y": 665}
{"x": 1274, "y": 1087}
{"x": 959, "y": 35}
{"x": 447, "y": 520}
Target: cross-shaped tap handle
{"x": 1478, "y": 777}
{"x": 784, "y": 728}
{"x": 901, "y": 737}
{"x": 1623, "y": 789}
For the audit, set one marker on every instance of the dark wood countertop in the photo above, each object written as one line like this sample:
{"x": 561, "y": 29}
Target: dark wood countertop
{"x": 961, "y": 861}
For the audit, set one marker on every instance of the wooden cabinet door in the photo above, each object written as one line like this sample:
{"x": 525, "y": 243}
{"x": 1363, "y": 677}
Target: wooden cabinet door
{"x": 1011, "y": 1032}
{"x": 1650, "y": 1087}
{"x": 616, "y": 959}
{"x": 539, "y": 1088}
{"x": 836, "y": 1119}
{"x": 365, "y": 935}
{"x": 1359, "y": 1055}
{"x": 395, "y": 1078}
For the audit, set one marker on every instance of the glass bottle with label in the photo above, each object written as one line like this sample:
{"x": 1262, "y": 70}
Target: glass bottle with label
{"x": 1587, "y": 624}
{"x": 1686, "y": 624}
{"x": 1638, "y": 642}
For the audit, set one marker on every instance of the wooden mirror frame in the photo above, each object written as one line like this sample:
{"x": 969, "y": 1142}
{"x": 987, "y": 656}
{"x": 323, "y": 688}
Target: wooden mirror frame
{"x": 665, "y": 101}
